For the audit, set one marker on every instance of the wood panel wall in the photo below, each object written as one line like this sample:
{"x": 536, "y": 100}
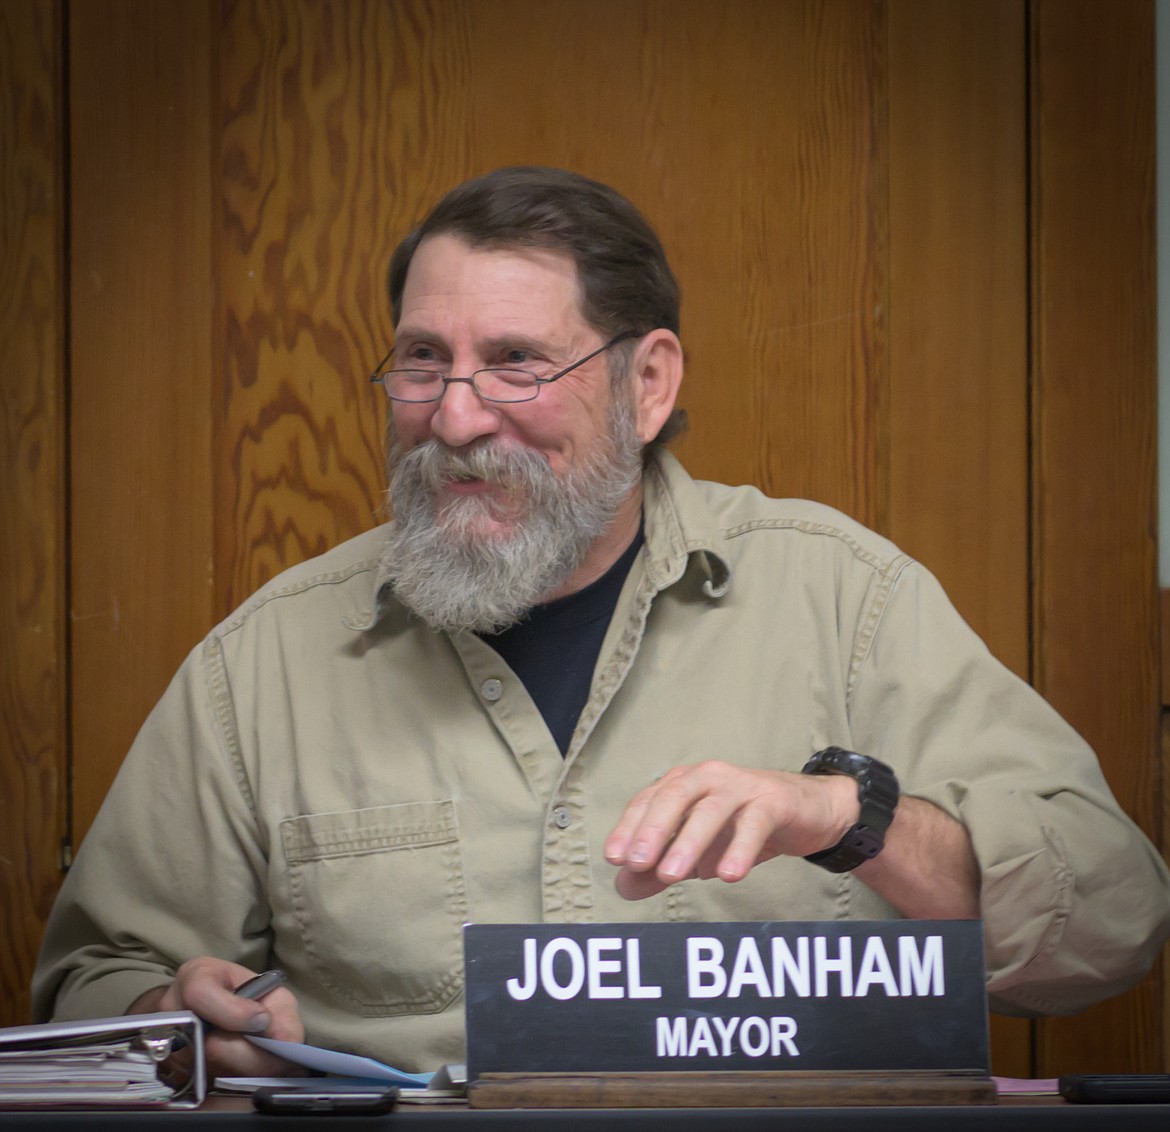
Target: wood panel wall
{"x": 1096, "y": 610}
{"x": 912, "y": 236}
{"x": 141, "y": 303}
{"x": 33, "y": 460}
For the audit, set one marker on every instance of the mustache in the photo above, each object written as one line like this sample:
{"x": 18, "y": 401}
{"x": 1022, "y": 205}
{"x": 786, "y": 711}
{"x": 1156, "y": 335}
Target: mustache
{"x": 433, "y": 464}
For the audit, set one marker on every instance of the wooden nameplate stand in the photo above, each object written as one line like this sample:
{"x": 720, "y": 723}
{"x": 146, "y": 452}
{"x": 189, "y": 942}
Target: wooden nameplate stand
{"x": 727, "y": 1089}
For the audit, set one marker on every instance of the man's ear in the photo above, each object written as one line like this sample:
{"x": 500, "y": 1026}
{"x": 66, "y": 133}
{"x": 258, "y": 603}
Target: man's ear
{"x": 656, "y": 374}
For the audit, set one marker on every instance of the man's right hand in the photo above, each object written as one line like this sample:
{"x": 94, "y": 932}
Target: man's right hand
{"x": 205, "y": 986}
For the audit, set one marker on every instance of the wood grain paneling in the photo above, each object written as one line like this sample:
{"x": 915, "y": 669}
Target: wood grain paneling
{"x": 32, "y": 505}
{"x": 141, "y": 315}
{"x": 956, "y": 391}
{"x": 344, "y": 123}
{"x": 1096, "y": 613}
{"x": 957, "y": 400}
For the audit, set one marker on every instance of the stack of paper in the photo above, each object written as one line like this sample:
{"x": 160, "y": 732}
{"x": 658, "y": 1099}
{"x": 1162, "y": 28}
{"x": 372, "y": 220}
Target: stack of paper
{"x": 103, "y": 1061}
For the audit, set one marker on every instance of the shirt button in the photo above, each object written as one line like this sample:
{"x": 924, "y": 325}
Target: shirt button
{"x": 562, "y": 818}
{"x": 491, "y": 690}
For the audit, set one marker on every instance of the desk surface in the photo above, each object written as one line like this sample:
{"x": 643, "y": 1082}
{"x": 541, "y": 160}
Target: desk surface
{"x": 1025, "y": 1115}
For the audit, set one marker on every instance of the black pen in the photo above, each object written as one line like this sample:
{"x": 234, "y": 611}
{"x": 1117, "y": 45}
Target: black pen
{"x": 259, "y": 985}
{"x": 255, "y": 987}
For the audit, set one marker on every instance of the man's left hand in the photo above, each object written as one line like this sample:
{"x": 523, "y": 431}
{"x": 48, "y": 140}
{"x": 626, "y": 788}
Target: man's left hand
{"x": 718, "y": 820}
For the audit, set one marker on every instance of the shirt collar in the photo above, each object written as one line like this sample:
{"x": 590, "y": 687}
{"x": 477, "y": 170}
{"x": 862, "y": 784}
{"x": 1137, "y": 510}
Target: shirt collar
{"x": 381, "y": 598}
{"x": 680, "y": 525}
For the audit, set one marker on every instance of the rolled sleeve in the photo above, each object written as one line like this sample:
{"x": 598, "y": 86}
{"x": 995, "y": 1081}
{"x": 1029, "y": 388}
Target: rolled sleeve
{"x": 1075, "y": 900}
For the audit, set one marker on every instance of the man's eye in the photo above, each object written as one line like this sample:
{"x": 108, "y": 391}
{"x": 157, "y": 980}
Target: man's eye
{"x": 423, "y": 356}
{"x": 517, "y": 357}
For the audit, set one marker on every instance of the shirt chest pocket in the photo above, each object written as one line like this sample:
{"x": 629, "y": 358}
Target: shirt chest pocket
{"x": 379, "y": 899}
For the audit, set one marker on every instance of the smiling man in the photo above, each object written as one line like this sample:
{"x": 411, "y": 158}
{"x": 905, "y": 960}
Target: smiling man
{"x": 568, "y": 683}
{"x": 510, "y": 491}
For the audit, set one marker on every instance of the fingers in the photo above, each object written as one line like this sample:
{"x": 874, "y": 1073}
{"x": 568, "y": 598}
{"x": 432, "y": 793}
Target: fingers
{"x": 618, "y": 848}
{"x": 652, "y": 821}
{"x": 747, "y": 845}
{"x": 706, "y": 820}
{"x": 232, "y": 1055}
{"x": 286, "y": 1024}
{"x": 698, "y": 848}
{"x": 205, "y": 986}
{"x": 638, "y": 886}
{"x": 229, "y": 1055}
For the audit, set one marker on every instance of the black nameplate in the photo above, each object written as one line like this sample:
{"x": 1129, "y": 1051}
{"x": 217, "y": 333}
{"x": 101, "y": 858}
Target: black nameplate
{"x": 801, "y": 996}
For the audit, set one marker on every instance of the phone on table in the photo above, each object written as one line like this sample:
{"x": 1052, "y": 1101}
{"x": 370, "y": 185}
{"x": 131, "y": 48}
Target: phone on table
{"x": 1115, "y": 1088}
{"x": 274, "y": 1100}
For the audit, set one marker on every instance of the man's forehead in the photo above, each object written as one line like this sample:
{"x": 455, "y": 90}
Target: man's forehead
{"x": 451, "y": 277}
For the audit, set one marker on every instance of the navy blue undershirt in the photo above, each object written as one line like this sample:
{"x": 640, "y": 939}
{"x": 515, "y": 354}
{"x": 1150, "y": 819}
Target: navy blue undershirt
{"x": 554, "y": 649}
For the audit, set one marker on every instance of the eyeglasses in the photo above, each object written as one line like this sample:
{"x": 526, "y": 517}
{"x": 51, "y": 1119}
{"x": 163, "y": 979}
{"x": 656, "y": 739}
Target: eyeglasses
{"x": 503, "y": 385}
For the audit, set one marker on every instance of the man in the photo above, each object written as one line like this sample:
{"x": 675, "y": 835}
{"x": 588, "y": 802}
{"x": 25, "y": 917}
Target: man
{"x": 568, "y": 682}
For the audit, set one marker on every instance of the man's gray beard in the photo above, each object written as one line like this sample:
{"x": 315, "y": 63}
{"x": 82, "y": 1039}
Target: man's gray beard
{"x": 453, "y": 576}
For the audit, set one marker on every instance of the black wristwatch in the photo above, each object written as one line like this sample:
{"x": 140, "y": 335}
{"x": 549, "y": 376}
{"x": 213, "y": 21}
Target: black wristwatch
{"x": 877, "y": 791}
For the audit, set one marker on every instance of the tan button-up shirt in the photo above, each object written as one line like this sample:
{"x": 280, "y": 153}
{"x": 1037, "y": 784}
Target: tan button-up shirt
{"x": 329, "y": 787}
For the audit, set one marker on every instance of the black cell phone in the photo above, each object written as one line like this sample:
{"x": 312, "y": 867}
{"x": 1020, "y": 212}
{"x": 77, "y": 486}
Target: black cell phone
{"x": 1115, "y": 1088}
{"x": 274, "y": 1100}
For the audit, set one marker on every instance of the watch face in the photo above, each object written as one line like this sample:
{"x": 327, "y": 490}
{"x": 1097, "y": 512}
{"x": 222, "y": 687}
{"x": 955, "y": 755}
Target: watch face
{"x": 837, "y": 760}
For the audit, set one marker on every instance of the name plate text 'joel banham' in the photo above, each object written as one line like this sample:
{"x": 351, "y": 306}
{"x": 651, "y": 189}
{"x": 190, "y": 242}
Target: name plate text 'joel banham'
{"x": 801, "y": 996}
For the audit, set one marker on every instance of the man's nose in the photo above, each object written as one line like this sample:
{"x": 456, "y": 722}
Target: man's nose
{"x": 463, "y": 416}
